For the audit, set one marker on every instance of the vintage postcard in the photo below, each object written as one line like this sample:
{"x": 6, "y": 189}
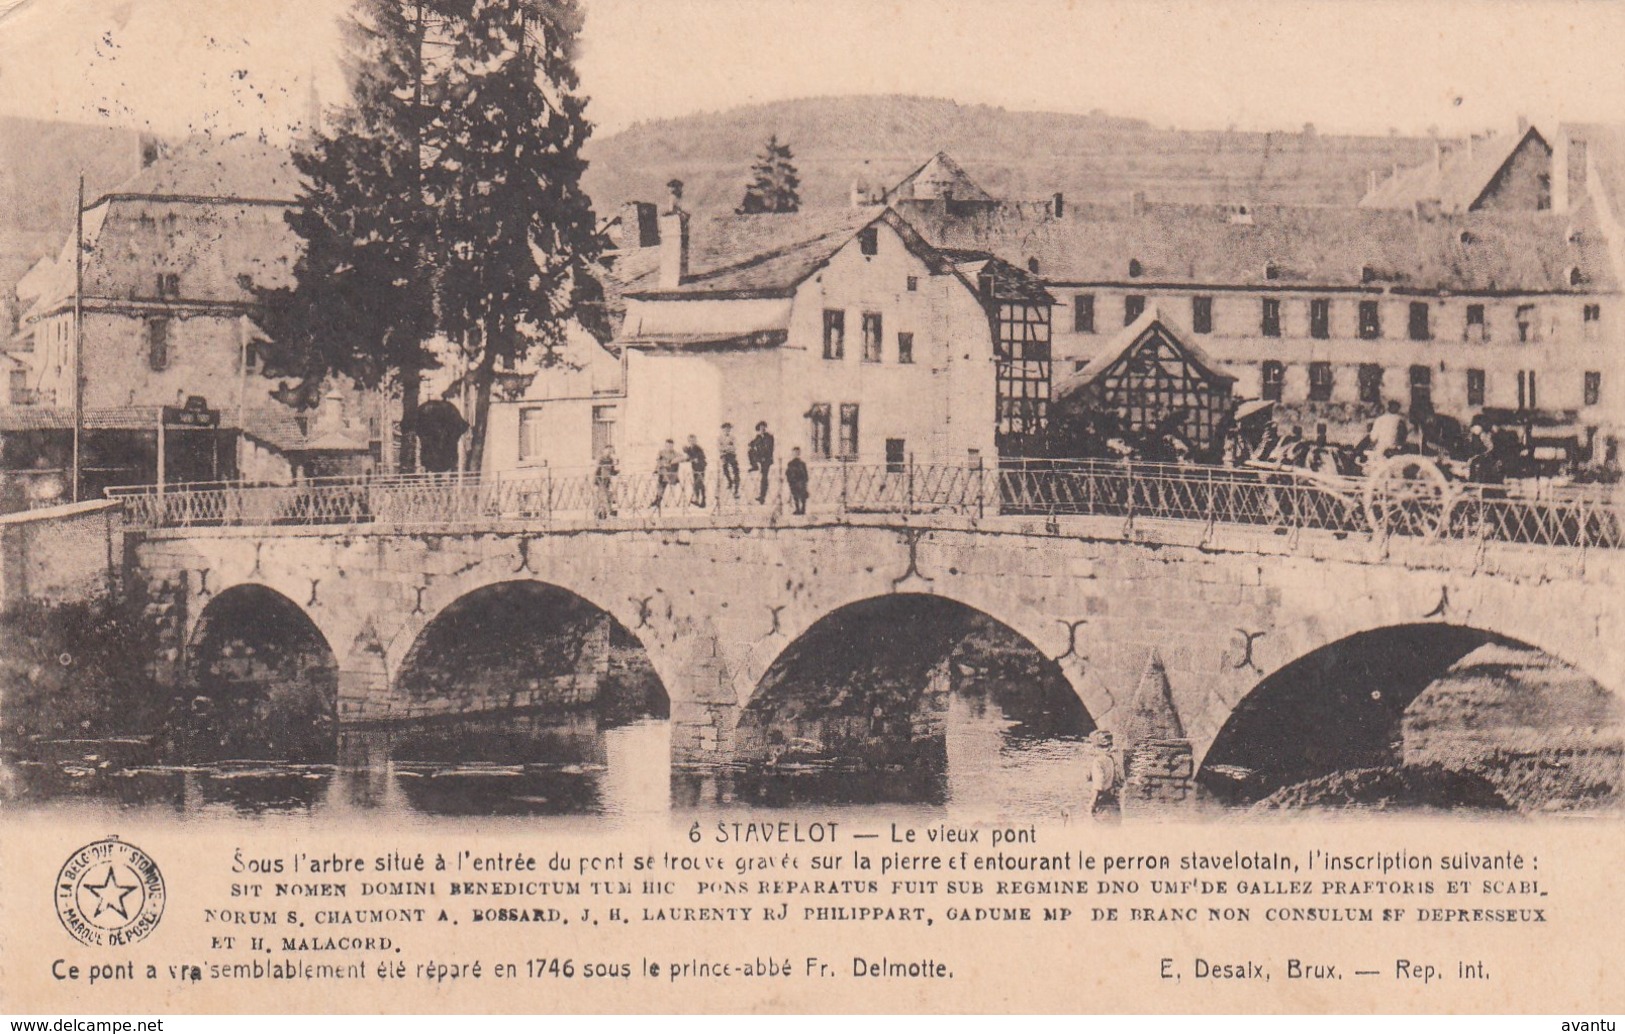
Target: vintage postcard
{"x": 531, "y": 506}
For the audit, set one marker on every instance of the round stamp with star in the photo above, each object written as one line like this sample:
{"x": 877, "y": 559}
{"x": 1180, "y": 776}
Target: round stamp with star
{"x": 109, "y": 894}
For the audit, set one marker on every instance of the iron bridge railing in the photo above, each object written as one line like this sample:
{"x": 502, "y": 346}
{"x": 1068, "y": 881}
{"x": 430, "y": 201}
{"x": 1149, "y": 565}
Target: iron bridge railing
{"x": 1282, "y": 500}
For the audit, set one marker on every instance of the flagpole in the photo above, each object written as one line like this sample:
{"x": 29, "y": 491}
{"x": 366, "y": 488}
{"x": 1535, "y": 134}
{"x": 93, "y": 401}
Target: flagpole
{"x": 78, "y": 333}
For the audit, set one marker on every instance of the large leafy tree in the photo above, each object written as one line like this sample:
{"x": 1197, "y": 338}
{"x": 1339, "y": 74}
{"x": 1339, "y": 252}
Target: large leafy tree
{"x": 774, "y": 185}
{"x": 361, "y": 304}
{"x": 517, "y": 239}
{"x": 447, "y": 201}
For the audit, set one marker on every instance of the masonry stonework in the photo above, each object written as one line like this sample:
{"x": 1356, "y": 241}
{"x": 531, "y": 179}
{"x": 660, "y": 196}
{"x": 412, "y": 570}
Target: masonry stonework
{"x": 714, "y": 605}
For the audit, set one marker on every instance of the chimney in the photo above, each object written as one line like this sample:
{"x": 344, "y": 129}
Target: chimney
{"x": 1438, "y": 155}
{"x": 674, "y": 240}
{"x": 330, "y": 414}
{"x": 1523, "y": 124}
{"x": 1136, "y": 204}
{"x": 1370, "y": 180}
{"x": 1559, "y": 182}
{"x": 640, "y": 225}
{"x": 149, "y": 148}
{"x": 1057, "y": 206}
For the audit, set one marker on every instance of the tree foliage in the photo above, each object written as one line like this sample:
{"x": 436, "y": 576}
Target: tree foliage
{"x": 774, "y": 185}
{"x": 361, "y": 304}
{"x": 518, "y": 242}
{"x": 445, "y": 201}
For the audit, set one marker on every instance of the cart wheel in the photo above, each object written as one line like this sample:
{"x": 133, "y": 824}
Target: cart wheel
{"x": 1407, "y": 495}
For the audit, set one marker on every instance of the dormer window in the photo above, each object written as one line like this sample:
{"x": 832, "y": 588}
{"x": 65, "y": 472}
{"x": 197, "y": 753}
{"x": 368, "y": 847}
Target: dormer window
{"x": 1367, "y": 274}
{"x": 1271, "y": 271}
{"x": 1032, "y": 265}
{"x": 1576, "y": 278}
{"x": 1134, "y": 268}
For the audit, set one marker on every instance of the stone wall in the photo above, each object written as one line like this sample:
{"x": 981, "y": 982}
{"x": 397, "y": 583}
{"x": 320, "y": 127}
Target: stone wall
{"x": 60, "y": 553}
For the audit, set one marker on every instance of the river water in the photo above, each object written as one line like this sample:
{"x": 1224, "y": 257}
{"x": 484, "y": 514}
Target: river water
{"x": 527, "y": 765}
{"x": 986, "y": 745}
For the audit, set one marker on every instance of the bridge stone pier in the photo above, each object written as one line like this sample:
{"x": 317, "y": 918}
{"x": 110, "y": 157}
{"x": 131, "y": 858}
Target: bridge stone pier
{"x": 1221, "y": 610}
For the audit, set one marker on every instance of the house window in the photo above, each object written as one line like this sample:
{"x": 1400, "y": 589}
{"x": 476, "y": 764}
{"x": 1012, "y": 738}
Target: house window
{"x": 1419, "y": 322}
{"x": 1274, "y": 376}
{"x": 1593, "y": 322}
{"x": 1270, "y": 321}
{"x": 603, "y": 429}
{"x": 1593, "y": 387}
{"x": 1320, "y": 382}
{"x": 818, "y": 427}
{"x": 871, "y": 337}
{"x": 834, "y": 334}
{"x": 869, "y": 240}
{"x": 1320, "y": 318}
{"x": 1083, "y": 313}
{"x": 1370, "y": 382}
{"x": 1370, "y": 321}
{"x": 849, "y": 430}
{"x": 158, "y": 344}
{"x": 913, "y": 283}
{"x": 1475, "y": 387}
{"x": 1133, "y": 306}
{"x": 1528, "y": 329}
{"x": 19, "y": 387}
{"x": 1421, "y": 390}
{"x": 896, "y": 455}
{"x": 1526, "y": 390}
{"x": 1202, "y": 314}
{"x": 905, "y": 346}
{"x": 530, "y": 434}
{"x": 1475, "y": 323}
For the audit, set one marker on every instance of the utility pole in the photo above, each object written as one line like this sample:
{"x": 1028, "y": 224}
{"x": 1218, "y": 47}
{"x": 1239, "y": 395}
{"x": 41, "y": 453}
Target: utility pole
{"x": 78, "y": 333}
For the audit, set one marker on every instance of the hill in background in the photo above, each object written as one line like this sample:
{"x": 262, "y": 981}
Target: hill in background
{"x": 1012, "y": 154}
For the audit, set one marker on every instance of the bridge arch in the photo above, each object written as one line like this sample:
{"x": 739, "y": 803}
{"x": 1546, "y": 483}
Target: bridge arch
{"x": 900, "y": 682}
{"x": 1347, "y": 705}
{"x": 527, "y": 644}
{"x": 1049, "y": 637}
{"x": 264, "y": 675}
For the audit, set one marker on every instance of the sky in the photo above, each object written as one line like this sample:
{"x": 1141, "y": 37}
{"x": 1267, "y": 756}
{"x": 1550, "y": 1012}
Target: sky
{"x": 230, "y": 66}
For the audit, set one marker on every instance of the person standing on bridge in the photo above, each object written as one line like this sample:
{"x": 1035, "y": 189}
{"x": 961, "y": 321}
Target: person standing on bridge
{"x": 760, "y": 454}
{"x": 603, "y": 480}
{"x": 667, "y": 472}
{"x": 696, "y": 465}
{"x": 795, "y": 475}
{"x": 728, "y": 456}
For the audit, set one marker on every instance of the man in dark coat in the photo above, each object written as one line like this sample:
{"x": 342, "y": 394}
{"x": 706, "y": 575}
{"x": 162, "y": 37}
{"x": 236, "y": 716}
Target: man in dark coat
{"x": 795, "y": 475}
{"x": 696, "y": 465}
{"x": 760, "y": 454}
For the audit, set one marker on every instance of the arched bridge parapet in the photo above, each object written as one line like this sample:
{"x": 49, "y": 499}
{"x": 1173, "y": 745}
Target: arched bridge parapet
{"x": 714, "y": 606}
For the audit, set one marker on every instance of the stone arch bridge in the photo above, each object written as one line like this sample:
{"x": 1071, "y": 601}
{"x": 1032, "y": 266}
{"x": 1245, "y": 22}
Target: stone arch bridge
{"x": 715, "y": 601}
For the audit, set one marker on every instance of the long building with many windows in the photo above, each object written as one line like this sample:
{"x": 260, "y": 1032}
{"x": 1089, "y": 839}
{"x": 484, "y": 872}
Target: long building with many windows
{"x": 936, "y": 321}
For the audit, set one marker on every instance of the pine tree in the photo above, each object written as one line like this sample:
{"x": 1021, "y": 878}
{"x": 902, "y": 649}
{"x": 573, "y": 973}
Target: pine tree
{"x": 774, "y": 183}
{"x": 361, "y": 304}
{"x": 517, "y": 241}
